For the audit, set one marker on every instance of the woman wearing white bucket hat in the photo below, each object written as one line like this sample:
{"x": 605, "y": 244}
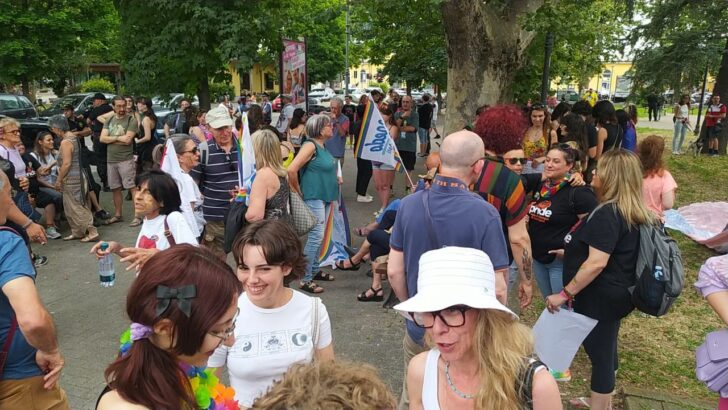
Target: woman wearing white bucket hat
{"x": 481, "y": 356}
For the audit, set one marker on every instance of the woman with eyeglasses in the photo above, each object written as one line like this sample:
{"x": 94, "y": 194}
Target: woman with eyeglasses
{"x": 481, "y": 357}
{"x": 158, "y": 201}
{"x": 599, "y": 267}
{"x": 269, "y": 194}
{"x": 188, "y": 156}
{"x": 538, "y": 137}
{"x": 277, "y": 326}
{"x": 319, "y": 186}
{"x": 182, "y": 307}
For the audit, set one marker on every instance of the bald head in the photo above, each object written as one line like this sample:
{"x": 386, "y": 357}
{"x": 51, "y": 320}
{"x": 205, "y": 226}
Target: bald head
{"x": 460, "y": 150}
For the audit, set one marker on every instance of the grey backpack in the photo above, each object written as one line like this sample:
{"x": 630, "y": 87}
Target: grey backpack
{"x": 660, "y": 274}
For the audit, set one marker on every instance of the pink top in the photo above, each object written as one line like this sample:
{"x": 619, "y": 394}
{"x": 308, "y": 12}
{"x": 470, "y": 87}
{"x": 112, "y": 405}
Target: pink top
{"x": 654, "y": 187}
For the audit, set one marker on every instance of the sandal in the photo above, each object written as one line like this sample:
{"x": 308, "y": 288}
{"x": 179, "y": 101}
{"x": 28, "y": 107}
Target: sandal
{"x": 90, "y": 238}
{"x": 326, "y": 277}
{"x": 71, "y": 238}
{"x": 113, "y": 220}
{"x": 352, "y": 266}
{"x": 580, "y": 403}
{"x": 376, "y": 296}
{"x": 310, "y": 287}
{"x": 135, "y": 222}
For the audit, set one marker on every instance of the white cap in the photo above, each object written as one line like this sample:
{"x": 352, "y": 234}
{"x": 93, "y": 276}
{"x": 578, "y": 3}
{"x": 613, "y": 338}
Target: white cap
{"x": 453, "y": 276}
{"x": 218, "y": 117}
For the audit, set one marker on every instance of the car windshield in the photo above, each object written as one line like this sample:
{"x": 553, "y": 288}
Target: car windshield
{"x": 73, "y": 100}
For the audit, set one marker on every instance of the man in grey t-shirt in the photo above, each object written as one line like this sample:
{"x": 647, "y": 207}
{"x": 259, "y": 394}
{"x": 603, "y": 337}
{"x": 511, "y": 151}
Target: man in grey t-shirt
{"x": 118, "y": 134}
{"x": 284, "y": 119}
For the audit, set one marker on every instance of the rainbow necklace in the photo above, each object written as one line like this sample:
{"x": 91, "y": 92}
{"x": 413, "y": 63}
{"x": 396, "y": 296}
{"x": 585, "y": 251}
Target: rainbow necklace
{"x": 548, "y": 190}
{"x": 209, "y": 393}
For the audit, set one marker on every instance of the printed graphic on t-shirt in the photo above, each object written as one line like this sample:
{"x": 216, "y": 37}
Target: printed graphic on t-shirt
{"x": 148, "y": 243}
{"x": 271, "y": 343}
{"x": 540, "y": 211}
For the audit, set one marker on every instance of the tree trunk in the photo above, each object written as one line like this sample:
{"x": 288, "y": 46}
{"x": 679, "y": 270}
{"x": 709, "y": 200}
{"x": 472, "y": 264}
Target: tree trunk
{"x": 721, "y": 88}
{"x": 203, "y": 92}
{"x": 485, "y": 46}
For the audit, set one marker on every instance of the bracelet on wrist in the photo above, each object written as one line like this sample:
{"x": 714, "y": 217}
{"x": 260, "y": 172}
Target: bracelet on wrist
{"x": 27, "y": 224}
{"x": 565, "y": 293}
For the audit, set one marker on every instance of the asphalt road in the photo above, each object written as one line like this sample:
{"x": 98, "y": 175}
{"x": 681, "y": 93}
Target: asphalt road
{"x": 89, "y": 318}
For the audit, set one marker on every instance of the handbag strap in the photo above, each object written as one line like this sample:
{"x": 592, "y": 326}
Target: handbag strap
{"x": 430, "y": 229}
{"x": 168, "y": 232}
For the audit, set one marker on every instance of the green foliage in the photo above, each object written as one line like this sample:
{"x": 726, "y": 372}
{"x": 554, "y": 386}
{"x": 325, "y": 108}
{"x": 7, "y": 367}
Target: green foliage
{"x": 50, "y": 40}
{"x": 384, "y": 86}
{"x": 218, "y": 90}
{"x": 408, "y": 38}
{"x": 97, "y": 84}
{"x": 683, "y": 38}
{"x": 586, "y": 34}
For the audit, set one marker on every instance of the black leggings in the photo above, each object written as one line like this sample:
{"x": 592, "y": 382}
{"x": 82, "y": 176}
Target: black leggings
{"x": 363, "y": 175}
{"x": 379, "y": 238}
{"x": 601, "y": 347}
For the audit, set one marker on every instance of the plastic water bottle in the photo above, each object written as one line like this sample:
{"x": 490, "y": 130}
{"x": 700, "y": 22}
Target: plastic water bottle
{"x": 106, "y": 268}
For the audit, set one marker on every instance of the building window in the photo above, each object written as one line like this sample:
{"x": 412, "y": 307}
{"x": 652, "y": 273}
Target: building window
{"x": 363, "y": 75}
{"x": 269, "y": 81}
{"x": 245, "y": 81}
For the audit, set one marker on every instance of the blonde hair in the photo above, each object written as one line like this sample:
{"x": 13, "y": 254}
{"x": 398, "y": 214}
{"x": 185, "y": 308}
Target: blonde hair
{"x": 267, "y": 148}
{"x": 620, "y": 174}
{"x": 329, "y": 385}
{"x": 4, "y": 122}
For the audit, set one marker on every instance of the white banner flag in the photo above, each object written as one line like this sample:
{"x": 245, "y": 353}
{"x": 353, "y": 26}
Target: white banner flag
{"x": 374, "y": 142}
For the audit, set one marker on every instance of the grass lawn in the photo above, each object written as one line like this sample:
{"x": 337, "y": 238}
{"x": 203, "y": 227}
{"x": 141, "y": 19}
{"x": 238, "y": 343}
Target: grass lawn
{"x": 659, "y": 353}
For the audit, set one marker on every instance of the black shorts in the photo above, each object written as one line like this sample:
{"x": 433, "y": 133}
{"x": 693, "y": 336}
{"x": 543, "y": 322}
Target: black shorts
{"x": 408, "y": 159}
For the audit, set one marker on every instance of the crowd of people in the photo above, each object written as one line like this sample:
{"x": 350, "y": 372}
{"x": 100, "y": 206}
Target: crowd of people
{"x": 555, "y": 194}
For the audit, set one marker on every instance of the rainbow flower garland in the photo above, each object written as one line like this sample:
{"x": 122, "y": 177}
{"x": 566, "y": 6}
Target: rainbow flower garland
{"x": 209, "y": 393}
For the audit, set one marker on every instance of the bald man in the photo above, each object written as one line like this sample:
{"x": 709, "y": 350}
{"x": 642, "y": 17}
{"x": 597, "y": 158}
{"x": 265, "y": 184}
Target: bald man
{"x": 447, "y": 214}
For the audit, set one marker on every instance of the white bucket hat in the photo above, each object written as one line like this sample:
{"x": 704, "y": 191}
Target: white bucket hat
{"x": 453, "y": 276}
{"x": 218, "y": 117}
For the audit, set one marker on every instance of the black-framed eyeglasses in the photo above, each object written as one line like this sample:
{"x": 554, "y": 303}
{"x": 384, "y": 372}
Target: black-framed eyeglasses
{"x": 454, "y": 316}
{"x": 194, "y": 150}
{"x": 225, "y": 334}
{"x": 515, "y": 160}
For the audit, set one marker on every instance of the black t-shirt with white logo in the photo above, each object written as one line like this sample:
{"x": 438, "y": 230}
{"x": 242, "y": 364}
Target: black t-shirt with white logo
{"x": 607, "y": 297}
{"x": 550, "y": 219}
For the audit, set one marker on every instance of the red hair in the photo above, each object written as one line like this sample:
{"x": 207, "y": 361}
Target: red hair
{"x": 149, "y": 375}
{"x": 501, "y": 128}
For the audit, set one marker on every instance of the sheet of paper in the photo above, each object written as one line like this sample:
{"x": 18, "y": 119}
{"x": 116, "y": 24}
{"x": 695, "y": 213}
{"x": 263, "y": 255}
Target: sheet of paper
{"x": 558, "y": 337}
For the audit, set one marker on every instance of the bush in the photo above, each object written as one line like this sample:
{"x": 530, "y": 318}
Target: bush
{"x": 384, "y": 86}
{"x": 97, "y": 84}
{"x": 218, "y": 90}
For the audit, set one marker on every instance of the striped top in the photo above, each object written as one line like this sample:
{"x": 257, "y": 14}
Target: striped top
{"x": 504, "y": 190}
{"x": 217, "y": 179}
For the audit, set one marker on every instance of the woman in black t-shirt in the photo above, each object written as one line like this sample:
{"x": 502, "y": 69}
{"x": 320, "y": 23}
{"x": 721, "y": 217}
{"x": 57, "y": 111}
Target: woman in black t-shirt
{"x": 557, "y": 207}
{"x": 599, "y": 265}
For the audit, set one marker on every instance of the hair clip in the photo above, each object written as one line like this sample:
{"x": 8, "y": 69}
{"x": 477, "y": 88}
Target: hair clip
{"x": 183, "y": 294}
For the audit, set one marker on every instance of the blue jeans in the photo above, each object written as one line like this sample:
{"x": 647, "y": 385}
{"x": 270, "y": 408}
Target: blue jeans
{"x": 679, "y": 136}
{"x": 423, "y": 134}
{"x": 549, "y": 276}
{"x": 315, "y": 237}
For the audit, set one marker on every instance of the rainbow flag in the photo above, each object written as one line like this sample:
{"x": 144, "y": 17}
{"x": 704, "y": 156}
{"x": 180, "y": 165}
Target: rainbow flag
{"x": 336, "y": 234}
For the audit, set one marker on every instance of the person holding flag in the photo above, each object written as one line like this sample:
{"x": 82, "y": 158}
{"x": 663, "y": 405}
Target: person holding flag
{"x": 181, "y": 155}
{"x": 319, "y": 187}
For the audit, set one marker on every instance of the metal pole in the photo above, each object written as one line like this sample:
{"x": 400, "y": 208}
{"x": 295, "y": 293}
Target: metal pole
{"x": 346, "y": 55}
{"x": 548, "y": 47}
{"x": 696, "y": 131}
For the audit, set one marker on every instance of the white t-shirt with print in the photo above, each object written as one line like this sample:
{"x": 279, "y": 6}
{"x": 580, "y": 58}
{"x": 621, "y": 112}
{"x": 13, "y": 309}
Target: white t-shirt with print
{"x": 189, "y": 193}
{"x": 152, "y": 234}
{"x": 268, "y": 342}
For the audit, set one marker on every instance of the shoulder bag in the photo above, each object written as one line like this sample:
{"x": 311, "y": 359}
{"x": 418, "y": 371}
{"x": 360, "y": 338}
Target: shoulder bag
{"x": 303, "y": 219}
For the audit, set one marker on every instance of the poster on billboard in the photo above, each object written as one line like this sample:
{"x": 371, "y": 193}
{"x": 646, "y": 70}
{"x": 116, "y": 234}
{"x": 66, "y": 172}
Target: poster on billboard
{"x": 294, "y": 77}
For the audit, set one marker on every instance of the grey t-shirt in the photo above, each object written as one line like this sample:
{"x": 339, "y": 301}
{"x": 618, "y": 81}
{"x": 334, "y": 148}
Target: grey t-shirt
{"x": 119, "y": 127}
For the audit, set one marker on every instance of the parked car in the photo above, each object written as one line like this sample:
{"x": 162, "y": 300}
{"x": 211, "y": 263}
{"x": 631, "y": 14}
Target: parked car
{"x": 81, "y": 102}
{"x": 29, "y": 129}
{"x": 695, "y": 98}
{"x": 314, "y": 107}
{"x": 277, "y": 104}
{"x": 45, "y": 95}
{"x": 164, "y": 107}
{"x": 17, "y": 106}
{"x": 323, "y": 94}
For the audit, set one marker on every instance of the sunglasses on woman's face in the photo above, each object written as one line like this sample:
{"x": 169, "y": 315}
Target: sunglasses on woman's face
{"x": 514, "y": 161}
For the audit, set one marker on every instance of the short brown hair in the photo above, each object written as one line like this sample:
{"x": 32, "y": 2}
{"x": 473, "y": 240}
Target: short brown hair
{"x": 279, "y": 243}
{"x": 329, "y": 385}
{"x": 650, "y": 152}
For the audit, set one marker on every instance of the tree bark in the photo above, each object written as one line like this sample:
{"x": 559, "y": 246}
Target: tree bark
{"x": 485, "y": 46}
{"x": 203, "y": 92}
{"x": 721, "y": 88}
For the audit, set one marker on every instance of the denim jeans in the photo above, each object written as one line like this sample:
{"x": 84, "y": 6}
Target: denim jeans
{"x": 315, "y": 237}
{"x": 549, "y": 276}
{"x": 423, "y": 134}
{"x": 679, "y": 136}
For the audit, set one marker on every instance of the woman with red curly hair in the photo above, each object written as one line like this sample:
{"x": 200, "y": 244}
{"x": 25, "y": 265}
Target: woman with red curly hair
{"x": 658, "y": 185}
{"x": 502, "y": 128}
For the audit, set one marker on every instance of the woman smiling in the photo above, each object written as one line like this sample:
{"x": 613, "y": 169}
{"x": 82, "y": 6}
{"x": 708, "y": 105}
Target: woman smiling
{"x": 277, "y": 326}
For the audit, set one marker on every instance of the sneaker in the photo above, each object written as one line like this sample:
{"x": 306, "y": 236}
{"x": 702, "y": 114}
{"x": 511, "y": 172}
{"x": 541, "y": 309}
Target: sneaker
{"x": 39, "y": 261}
{"x": 52, "y": 232}
{"x": 564, "y": 376}
{"x": 364, "y": 198}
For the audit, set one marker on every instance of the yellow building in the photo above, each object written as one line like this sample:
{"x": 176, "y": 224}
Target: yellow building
{"x": 361, "y": 75}
{"x": 257, "y": 80}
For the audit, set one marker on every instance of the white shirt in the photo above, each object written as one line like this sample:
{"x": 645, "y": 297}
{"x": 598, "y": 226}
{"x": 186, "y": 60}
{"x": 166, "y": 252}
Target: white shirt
{"x": 189, "y": 193}
{"x": 152, "y": 236}
{"x": 285, "y": 118}
{"x": 435, "y": 108}
{"x": 48, "y": 159}
{"x": 268, "y": 342}
{"x": 12, "y": 155}
{"x": 683, "y": 111}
